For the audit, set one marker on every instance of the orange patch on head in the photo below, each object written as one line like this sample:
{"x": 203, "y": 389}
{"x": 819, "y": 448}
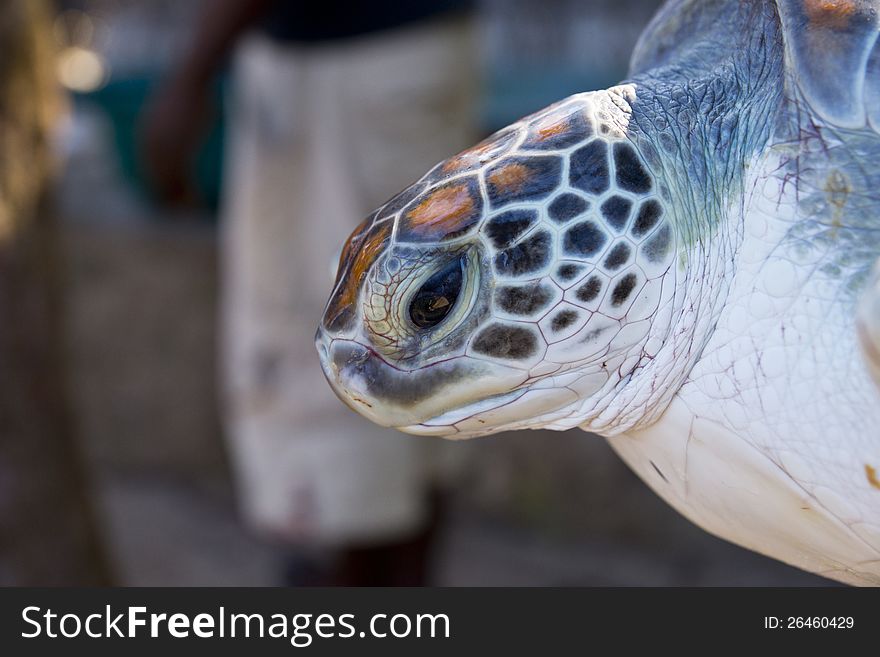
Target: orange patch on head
{"x": 462, "y": 161}
{"x": 550, "y": 128}
{"x": 445, "y": 206}
{"x": 872, "y": 476}
{"x": 353, "y": 239}
{"x": 361, "y": 252}
{"x": 834, "y": 14}
{"x": 368, "y": 251}
{"x": 511, "y": 178}
{"x": 443, "y": 213}
{"x": 473, "y": 157}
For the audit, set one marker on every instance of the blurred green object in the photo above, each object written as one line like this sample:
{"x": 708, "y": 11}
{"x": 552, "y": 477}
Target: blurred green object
{"x": 122, "y": 100}
{"x": 512, "y": 94}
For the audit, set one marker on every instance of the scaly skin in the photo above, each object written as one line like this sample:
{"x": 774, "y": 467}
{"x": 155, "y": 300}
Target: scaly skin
{"x": 712, "y": 339}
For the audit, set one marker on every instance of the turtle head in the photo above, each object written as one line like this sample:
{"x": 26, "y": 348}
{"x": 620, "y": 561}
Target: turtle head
{"x": 513, "y": 286}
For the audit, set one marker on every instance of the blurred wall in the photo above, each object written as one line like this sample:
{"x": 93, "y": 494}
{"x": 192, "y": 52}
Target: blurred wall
{"x": 538, "y": 52}
{"x": 47, "y": 533}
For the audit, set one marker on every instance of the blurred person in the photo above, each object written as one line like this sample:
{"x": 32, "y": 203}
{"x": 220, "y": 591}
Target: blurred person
{"x": 333, "y": 106}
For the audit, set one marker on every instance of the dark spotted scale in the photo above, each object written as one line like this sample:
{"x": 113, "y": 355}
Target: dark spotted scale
{"x": 617, "y": 257}
{"x": 631, "y": 174}
{"x": 505, "y": 341}
{"x": 589, "y": 290}
{"x": 585, "y": 239}
{"x": 616, "y": 212}
{"x": 623, "y": 289}
{"x": 518, "y": 178}
{"x": 568, "y": 271}
{"x": 504, "y": 229}
{"x": 588, "y": 169}
{"x": 657, "y": 247}
{"x": 524, "y": 299}
{"x": 647, "y": 218}
{"x": 529, "y": 256}
{"x": 562, "y": 320}
{"x": 566, "y": 207}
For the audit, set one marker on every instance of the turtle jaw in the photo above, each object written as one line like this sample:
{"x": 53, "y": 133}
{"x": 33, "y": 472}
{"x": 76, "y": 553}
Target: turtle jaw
{"x": 444, "y": 425}
{"x": 405, "y": 399}
{"x": 333, "y": 372}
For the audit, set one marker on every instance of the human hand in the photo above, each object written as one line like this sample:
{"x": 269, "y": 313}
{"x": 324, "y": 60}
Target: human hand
{"x": 172, "y": 126}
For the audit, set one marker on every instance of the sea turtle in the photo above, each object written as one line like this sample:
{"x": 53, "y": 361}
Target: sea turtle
{"x": 674, "y": 263}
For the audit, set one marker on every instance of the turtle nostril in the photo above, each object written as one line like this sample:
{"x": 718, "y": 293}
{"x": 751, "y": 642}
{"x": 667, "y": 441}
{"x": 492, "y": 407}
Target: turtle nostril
{"x": 356, "y": 357}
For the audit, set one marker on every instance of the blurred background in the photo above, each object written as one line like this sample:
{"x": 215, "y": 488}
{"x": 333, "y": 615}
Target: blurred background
{"x": 115, "y": 458}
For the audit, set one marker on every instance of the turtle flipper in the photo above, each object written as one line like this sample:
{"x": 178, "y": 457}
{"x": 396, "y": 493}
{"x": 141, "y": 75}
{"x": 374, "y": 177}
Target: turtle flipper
{"x": 868, "y": 323}
{"x": 834, "y": 57}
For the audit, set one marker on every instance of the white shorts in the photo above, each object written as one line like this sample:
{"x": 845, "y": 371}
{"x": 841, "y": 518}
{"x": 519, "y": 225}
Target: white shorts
{"x": 318, "y": 137}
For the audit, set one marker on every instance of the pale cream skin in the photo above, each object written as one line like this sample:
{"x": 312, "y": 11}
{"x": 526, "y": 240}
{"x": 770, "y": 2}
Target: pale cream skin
{"x": 869, "y": 324}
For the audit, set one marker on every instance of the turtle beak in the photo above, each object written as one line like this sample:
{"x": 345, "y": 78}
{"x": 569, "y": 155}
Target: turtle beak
{"x": 331, "y": 366}
{"x": 392, "y": 397}
{"x": 350, "y": 368}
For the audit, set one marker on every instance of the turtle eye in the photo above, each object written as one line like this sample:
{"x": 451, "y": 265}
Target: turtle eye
{"x": 437, "y": 296}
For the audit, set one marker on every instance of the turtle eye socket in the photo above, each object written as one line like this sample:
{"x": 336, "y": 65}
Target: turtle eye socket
{"x": 437, "y": 296}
